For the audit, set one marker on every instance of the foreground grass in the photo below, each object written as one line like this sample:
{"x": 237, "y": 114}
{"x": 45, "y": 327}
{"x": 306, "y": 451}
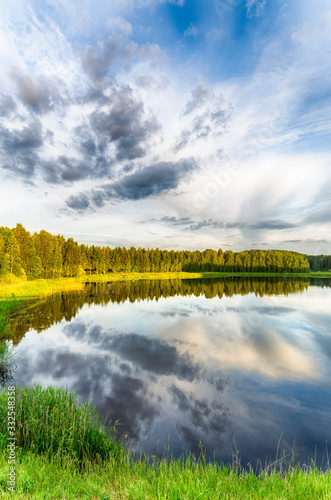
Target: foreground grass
{"x": 37, "y": 478}
{"x": 48, "y": 465}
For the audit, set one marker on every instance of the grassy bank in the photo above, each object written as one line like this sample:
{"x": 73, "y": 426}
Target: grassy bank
{"x": 39, "y": 288}
{"x": 63, "y": 453}
{"x": 14, "y": 296}
{"x": 38, "y": 479}
{"x": 17, "y": 296}
{"x": 138, "y": 276}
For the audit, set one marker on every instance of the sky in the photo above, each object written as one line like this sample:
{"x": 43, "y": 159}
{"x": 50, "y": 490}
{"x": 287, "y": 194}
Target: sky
{"x": 177, "y": 124}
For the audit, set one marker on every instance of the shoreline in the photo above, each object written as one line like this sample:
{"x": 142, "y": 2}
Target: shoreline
{"x": 35, "y": 289}
{"x": 17, "y": 296}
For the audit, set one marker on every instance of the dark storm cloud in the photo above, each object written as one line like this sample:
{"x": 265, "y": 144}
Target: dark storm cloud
{"x": 322, "y": 336}
{"x": 215, "y": 224}
{"x": 29, "y": 137}
{"x": 206, "y": 224}
{"x": 199, "y": 97}
{"x": 50, "y": 171}
{"x": 208, "y": 419}
{"x": 118, "y": 131}
{"x": 152, "y": 180}
{"x": 176, "y": 221}
{"x": 155, "y": 356}
{"x": 66, "y": 169}
{"x": 19, "y": 149}
{"x": 132, "y": 405}
{"x": 42, "y": 94}
{"x": 149, "y": 181}
{"x": 218, "y": 224}
{"x": 98, "y": 198}
{"x": 72, "y": 169}
{"x": 270, "y": 311}
{"x": 149, "y": 354}
{"x": 213, "y": 121}
{"x": 233, "y": 225}
{"x": 98, "y": 64}
{"x": 24, "y": 166}
{"x": 272, "y": 224}
{"x": 88, "y": 147}
{"x": 93, "y": 95}
{"x": 79, "y": 202}
{"x": 108, "y": 386}
{"x": 7, "y": 105}
{"x": 124, "y": 125}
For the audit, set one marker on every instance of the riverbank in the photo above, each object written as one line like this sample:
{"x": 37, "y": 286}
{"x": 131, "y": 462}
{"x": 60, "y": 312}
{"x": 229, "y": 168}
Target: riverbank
{"x": 43, "y": 287}
{"x": 83, "y": 462}
{"x": 15, "y": 296}
{"x": 38, "y": 479}
{"x": 18, "y": 296}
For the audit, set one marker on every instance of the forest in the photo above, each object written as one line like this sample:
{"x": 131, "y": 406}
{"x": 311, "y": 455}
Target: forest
{"x": 43, "y": 255}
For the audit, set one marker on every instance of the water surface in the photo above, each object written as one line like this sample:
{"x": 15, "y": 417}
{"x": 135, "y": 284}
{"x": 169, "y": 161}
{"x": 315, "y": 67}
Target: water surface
{"x": 232, "y": 364}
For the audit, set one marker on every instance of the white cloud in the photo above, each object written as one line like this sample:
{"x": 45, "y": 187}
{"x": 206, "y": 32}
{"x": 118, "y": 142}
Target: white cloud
{"x": 191, "y": 31}
{"x": 284, "y": 99}
{"x": 255, "y": 7}
{"x": 119, "y": 24}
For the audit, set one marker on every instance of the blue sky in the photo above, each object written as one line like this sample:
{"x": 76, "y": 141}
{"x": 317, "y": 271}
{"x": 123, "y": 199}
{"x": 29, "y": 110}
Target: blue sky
{"x": 168, "y": 123}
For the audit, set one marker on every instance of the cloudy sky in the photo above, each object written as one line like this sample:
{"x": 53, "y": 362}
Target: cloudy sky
{"x": 168, "y": 123}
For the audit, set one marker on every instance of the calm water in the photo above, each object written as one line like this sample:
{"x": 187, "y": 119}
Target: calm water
{"x": 241, "y": 364}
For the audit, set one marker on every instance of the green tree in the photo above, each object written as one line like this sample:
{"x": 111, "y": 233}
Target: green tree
{"x": 31, "y": 263}
{"x": 49, "y": 251}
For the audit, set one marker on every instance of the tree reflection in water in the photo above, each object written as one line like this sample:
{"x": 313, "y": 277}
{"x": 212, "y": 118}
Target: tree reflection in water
{"x": 66, "y": 305}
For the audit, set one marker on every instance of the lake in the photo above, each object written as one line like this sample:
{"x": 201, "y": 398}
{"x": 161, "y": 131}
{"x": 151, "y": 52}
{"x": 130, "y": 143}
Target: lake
{"x": 234, "y": 364}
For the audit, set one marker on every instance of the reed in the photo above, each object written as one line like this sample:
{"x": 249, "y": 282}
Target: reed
{"x": 50, "y": 422}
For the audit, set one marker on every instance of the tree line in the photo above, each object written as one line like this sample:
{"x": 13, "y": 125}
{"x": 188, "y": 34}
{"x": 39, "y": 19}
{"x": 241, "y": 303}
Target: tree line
{"x": 43, "y": 255}
{"x": 319, "y": 262}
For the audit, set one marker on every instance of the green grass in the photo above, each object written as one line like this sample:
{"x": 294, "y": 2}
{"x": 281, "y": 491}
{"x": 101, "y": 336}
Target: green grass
{"x": 64, "y": 453}
{"x": 50, "y": 422}
{"x": 37, "y": 478}
{"x": 38, "y": 288}
{"x": 184, "y": 275}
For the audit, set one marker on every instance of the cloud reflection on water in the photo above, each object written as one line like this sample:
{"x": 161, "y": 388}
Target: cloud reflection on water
{"x": 195, "y": 367}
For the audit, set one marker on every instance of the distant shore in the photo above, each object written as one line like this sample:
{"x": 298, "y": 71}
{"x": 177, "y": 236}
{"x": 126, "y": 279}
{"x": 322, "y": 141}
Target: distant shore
{"x": 18, "y": 295}
{"x": 42, "y": 287}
